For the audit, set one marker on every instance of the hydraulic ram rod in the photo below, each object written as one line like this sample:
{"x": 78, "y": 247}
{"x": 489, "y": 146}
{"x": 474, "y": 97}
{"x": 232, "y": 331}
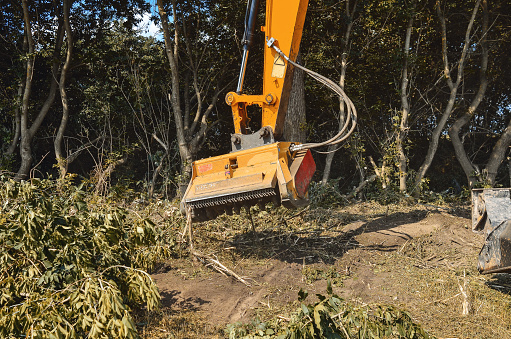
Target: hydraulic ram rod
{"x": 252, "y": 8}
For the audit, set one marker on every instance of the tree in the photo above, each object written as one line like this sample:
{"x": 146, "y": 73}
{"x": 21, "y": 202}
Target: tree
{"x": 59, "y": 155}
{"x": 195, "y": 76}
{"x": 413, "y": 69}
{"x": 349, "y": 16}
{"x": 472, "y": 171}
{"x": 452, "y": 85}
{"x": 11, "y": 18}
{"x": 405, "y": 107}
{"x": 27, "y": 132}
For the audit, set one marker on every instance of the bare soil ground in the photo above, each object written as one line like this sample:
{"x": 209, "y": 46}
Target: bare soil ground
{"x": 420, "y": 258}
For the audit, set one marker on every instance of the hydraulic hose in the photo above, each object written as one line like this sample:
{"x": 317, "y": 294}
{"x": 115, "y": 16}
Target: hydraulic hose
{"x": 351, "y": 112}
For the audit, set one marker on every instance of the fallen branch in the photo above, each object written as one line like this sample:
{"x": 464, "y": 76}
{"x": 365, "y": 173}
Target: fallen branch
{"x": 217, "y": 265}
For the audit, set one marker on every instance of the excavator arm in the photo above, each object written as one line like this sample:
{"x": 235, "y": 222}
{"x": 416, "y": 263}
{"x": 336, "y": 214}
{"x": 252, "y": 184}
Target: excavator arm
{"x": 283, "y": 28}
{"x": 259, "y": 169}
{"x": 263, "y": 169}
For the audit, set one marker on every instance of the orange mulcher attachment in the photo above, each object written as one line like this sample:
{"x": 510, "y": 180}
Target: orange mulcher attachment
{"x": 269, "y": 173}
{"x": 259, "y": 169}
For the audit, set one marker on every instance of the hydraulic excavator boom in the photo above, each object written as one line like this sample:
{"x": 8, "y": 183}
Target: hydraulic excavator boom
{"x": 260, "y": 168}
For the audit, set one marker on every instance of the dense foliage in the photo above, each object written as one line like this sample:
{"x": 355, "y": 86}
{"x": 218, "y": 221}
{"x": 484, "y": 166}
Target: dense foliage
{"x": 70, "y": 268}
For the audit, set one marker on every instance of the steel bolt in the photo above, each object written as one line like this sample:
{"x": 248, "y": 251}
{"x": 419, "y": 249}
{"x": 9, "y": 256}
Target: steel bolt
{"x": 235, "y": 139}
{"x": 229, "y": 99}
{"x": 269, "y": 99}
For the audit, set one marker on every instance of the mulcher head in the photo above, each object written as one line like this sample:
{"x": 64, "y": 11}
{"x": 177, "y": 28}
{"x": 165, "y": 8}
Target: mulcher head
{"x": 269, "y": 173}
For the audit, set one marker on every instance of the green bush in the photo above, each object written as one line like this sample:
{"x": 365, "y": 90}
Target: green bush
{"x": 332, "y": 317}
{"x": 325, "y": 194}
{"x": 71, "y": 269}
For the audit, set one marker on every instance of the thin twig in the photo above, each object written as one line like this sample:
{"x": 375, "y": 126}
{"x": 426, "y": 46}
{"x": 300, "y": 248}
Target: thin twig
{"x": 189, "y": 225}
{"x": 444, "y": 300}
{"x": 217, "y": 265}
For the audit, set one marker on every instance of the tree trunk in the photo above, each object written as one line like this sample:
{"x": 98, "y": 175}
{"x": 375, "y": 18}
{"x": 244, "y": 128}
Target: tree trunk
{"x": 156, "y": 173}
{"x": 471, "y": 172}
{"x": 172, "y": 50}
{"x": 342, "y": 115}
{"x": 361, "y": 186}
{"x": 59, "y": 154}
{"x": 405, "y": 110}
{"x": 453, "y": 86}
{"x": 332, "y": 149}
{"x": 17, "y": 122}
{"x": 295, "y": 118}
{"x": 461, "y": 154}
{"x": 25, "y": 149}
{"x": 27, "y": 133}
{"x": 498, "y": 154}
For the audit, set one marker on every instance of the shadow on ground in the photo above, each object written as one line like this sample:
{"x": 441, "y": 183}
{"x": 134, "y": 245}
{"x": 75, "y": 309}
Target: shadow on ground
{"x": 321, "y": 244}
{"x": 174, "y": 299}
{"x": 500, "y": 282}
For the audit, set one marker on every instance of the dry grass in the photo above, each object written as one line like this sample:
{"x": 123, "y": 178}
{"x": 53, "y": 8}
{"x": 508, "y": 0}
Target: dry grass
{"x": 434, "y": 275}
{"x": 441, "y": 284}
{"x": 178, "y": 325}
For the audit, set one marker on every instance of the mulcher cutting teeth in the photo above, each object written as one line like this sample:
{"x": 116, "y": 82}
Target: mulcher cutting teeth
{"x": 210, "y": 208}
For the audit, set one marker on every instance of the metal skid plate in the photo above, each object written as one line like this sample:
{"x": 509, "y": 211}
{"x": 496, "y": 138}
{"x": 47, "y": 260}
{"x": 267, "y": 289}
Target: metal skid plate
{"x": 495, "y": 256}
{"x": 490, "y": 207}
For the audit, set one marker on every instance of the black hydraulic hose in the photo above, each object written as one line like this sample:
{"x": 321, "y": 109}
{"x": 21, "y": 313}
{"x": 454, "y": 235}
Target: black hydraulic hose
{"x": 250, "y": 20}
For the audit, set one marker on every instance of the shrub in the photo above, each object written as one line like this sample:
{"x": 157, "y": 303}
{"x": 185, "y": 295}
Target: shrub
{"x": 325, "y": 194}
{"x": 332, "y": 317}
{"x": 69, "y": 269}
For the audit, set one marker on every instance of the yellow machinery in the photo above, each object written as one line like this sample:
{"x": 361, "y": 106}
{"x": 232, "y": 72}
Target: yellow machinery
{"x": 261, "y": 168}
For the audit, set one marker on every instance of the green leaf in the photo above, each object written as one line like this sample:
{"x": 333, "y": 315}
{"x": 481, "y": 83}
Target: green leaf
{"x": 329, "y": 290}
{"x": 302, "y": 295}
